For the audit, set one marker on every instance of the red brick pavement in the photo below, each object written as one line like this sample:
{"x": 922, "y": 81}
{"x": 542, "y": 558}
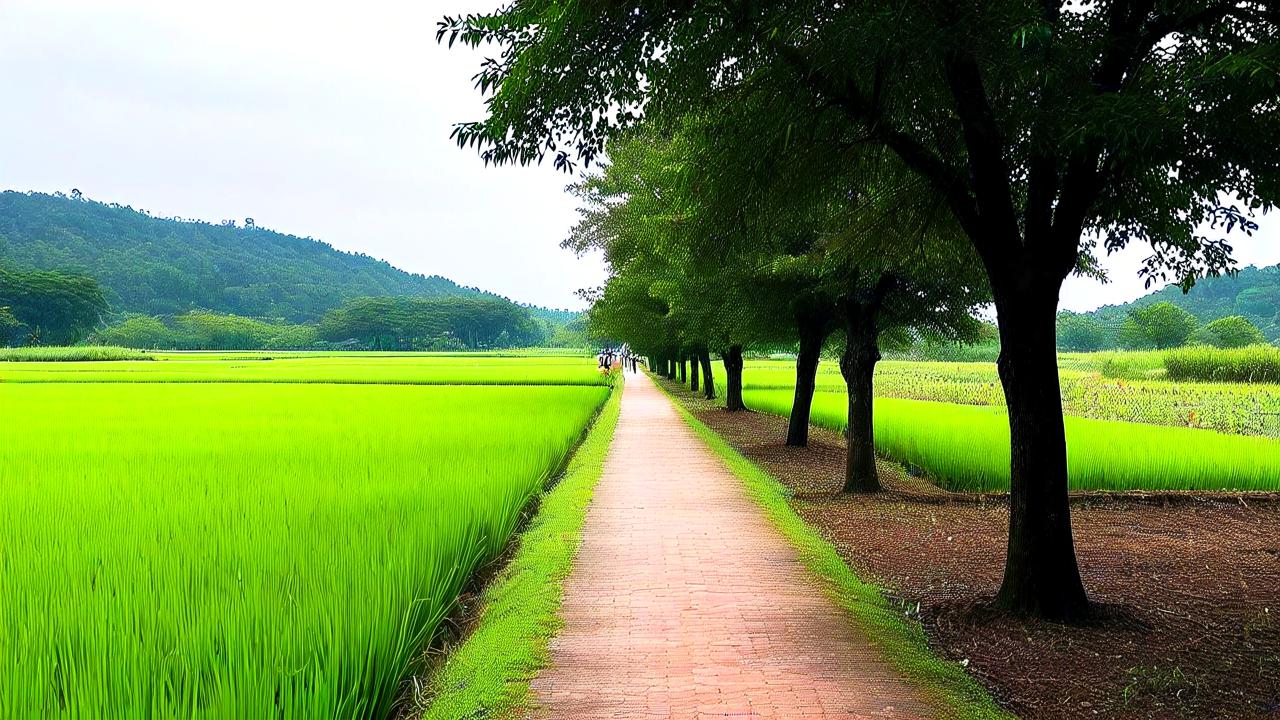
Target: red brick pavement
{"x": 684, "y": 602}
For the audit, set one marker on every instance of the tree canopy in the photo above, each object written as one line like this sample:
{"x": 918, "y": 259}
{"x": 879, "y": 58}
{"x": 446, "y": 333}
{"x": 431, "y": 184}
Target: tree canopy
{"x": 206, "y": 330}
{"x": 409, "y": 323}
{"x": 45, "y": 307}
{"x": 1080, "y": 333}
{"x": 1044, "y": 128}
{"x": 1228, "y": 332}
{"x": 1160, "y": 326}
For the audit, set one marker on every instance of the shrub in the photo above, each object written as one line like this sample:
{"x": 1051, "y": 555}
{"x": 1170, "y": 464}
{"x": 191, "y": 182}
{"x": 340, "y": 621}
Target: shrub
{"x": 987, "y": 351}
{"x": 1160, "y": 326}
{"x": 1130, "y": 365}
{"x": 1080, "y": 333}
{"x": 79, "y": 353}
{"x": 1234, "y": 331}
{"x": 1255, "y": 363}
{"x": 136, "y": 331}
{"x": 204, "y": 330}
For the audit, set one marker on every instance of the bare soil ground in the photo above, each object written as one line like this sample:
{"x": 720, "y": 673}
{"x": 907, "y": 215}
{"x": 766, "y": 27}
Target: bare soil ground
{"x": 1187, "y": 588}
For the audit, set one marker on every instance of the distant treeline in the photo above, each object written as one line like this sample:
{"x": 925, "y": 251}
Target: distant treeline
{"x": 76, "y": 270}
{"x": 45, "y": 307}
{"x": 372, "y": 323}
{"x": 1219, "y": 311}
{"x": 1159, "y": 326}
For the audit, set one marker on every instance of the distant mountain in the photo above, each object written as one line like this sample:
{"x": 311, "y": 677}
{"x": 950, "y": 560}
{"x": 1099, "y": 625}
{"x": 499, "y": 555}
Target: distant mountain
{"x": 161, "y": 266}
{"x": 1254, "y": 294}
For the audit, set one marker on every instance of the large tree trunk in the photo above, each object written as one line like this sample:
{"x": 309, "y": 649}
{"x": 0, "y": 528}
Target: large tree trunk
{"x": 813, "y": 332}
{"x": 708, "y": 382}
{"x": 684, "y": 374}
{"x": 733, "y": 379}
{"x": 693, "y": 374}
{"x": 1041, "y": 576}
{"x": 858, "y": 365}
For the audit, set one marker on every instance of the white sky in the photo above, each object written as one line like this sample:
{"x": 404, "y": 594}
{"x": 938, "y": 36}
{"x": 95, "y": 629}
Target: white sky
{"x": 1081, "y": 294}
{"x": 323, "y": 119}
{"x": 315, "y": 118}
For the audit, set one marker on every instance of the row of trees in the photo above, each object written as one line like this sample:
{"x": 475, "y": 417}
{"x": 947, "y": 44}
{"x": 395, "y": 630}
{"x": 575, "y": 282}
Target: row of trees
{"x": 1159, "y": 326}
{"x": 206, "y": 330}
{"x": 887, "y": 164}
{"x": 670, "y": 208}
{"x": 372, "y": 323}
{"x": 1253, "y": 294}
{"x": 455, "y": 323}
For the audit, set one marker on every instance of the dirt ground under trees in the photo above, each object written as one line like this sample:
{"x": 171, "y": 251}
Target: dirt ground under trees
{"x": 1186, "y": 588}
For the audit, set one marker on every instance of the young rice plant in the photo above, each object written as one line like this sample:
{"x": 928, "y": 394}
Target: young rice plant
{"x": 252, "y": 550}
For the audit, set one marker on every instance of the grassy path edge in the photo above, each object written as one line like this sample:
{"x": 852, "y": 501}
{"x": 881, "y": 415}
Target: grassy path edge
{"x": 488, "y": 675}
{"x": 900, "y": 639}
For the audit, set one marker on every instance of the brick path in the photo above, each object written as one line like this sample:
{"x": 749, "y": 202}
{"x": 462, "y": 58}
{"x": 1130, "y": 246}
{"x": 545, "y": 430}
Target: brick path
{"x": 684, "y": 602}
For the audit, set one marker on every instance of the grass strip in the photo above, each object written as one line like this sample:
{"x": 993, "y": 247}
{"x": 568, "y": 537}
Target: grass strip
{"x": 488, "y": 675}
{"x": 78, "y": 353}
{"x": 901, "y": 640}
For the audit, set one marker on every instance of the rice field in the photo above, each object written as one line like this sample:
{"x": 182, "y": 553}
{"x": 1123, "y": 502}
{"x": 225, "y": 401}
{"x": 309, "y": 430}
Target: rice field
{"x": 1087, "y": 391}
{"x": 276, "y": 547}
{"x": 409, "y": 369}
{"x": 966, "y": 447}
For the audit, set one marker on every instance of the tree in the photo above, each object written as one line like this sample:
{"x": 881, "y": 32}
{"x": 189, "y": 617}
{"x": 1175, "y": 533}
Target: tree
{"x": 860, "y": 199}
{"x": 689, "y": 198}
{"x": 1042, "y": 125}
{"x": 1162, "y": 326}
{"x": 138, "y": 331}
{"x": 1080, "y": 333}
{"x": 1229, "y": 332}
{"x": 11, "y": 328}
{"x": 53, "y": 308}
{"x": 824, "y": 221}
{"x": 640, "y": 213}
{"x": 413, "y": 323}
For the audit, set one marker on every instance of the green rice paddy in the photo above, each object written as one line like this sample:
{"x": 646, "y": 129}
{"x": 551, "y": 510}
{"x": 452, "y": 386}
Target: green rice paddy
{"x": 966, "y": 447}
{"x": 421, "y": 369}
{"x": 234, "y": 537}
{"x": 1088, "y": 391}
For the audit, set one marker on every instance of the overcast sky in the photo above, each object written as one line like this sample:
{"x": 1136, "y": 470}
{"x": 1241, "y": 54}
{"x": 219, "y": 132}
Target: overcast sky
{"x": 323, "y": 119}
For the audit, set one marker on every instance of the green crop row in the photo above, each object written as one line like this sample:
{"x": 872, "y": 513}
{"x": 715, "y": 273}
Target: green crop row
{"x": 76, "y": 353}
{"x": 1253, "y": 364}
{"x": 252, "y": 550}
{"x": 423, "y": 369}
{"x": 1226, "y": 407}
{"x": 966, "y": 447}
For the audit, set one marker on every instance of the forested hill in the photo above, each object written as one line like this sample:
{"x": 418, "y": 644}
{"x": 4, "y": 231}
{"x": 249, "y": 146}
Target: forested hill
{"x": 1253, "y": 294}
{"x": 161, "y": 266}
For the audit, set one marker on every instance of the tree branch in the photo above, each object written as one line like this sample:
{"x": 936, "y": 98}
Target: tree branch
{"x": 848, "y": 98}
{"x": 985, "y": 147}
